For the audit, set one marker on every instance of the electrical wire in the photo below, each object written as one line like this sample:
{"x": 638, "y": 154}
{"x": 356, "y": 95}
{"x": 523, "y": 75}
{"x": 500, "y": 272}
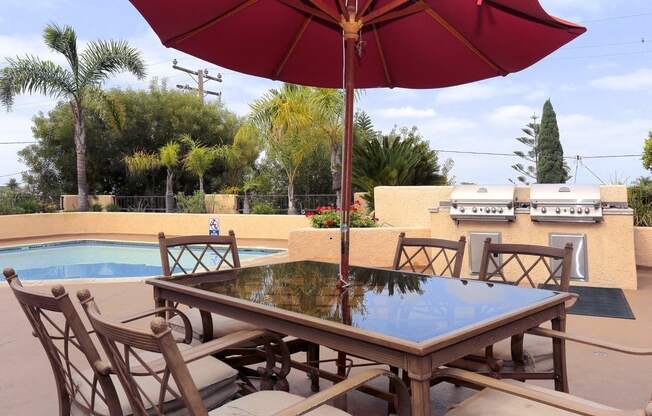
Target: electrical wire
{"x": 12, "y": 174}
{"x": 19, "y": 142}
{"x": 627, "y": 16}
{"x": 591, "y": 172}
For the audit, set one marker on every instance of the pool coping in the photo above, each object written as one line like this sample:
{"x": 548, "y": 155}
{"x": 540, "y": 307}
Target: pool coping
{"x": 95, "y": 280}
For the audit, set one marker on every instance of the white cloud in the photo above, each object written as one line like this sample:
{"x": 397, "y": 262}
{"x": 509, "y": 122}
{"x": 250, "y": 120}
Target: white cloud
{"x": 512, "y": 114}
{"x": 405, "y": 112}
{"x": 633, "y": 81}
{"x": 468, "y": 92}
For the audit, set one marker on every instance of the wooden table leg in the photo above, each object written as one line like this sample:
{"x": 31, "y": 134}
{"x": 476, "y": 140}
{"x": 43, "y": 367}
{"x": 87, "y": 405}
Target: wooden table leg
{"x": 518, "y": 353}
{"x": 420, "y": 372}
{"x": 559, "y": 353}
{"x": 312, "y": 357}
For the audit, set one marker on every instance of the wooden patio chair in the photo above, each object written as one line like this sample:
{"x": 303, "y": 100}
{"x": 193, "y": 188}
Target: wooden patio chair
{"x": 85, "y": 382}
{"x": 192, "y": 251}
{"x": 176, "y": 380}
{"x": 507, "y": 398}
{"x": 449, "y": 254}
{"x": 534, "y": 265}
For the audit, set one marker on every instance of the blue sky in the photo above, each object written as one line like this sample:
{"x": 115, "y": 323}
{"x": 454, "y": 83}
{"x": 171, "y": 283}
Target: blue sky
{"x": 600, "y": 86}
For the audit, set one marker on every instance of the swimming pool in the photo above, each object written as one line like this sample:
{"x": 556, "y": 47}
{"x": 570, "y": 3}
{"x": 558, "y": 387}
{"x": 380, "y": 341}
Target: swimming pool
{"x": 98, "y": 259}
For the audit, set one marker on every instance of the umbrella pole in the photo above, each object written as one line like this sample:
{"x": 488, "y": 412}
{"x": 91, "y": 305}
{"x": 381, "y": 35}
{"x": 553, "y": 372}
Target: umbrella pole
{"x": 347, "y": 150}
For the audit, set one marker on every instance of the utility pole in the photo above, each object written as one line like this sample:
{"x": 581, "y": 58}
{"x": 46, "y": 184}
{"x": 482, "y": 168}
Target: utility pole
{"x": 202, "y": 76}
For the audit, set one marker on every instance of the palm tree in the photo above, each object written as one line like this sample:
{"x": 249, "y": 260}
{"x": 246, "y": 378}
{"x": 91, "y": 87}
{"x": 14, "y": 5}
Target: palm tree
{"x": 199, "y": 158}
{"x": 12, "y": 184}
{"x": 283, "y": 119}
{"x": 79, "y": 83}
{"x": 167, "y": 157}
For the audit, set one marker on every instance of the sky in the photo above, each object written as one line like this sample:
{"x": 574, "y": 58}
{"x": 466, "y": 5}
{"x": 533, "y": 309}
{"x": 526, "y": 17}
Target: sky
{"x": 600, "y": 86}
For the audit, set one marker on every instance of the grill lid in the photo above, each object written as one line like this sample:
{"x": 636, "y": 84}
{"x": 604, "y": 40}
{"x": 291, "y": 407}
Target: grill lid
{"x": 565, "y": 194}
{"x": 483, "y": 194}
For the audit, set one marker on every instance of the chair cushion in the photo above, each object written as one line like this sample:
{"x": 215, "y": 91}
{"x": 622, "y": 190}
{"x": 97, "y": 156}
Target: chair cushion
{"x": 215, "y": 380}
{"x": 490, "y": 402}
{"x": 221, "y": 324}
{"x": 266, "y": 403}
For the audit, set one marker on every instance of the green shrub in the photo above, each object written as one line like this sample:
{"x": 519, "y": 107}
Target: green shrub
{"x": 97, "y": 208}
{"x": 112, "y": 208}
{"x": 193, "y": 204}
{"x": 12, "y": 202}
{"x": 262, "y": 208}
{"x": 329, "y": 217}
{"x": 640, "y": 200}
{"x": 27, "y": 203}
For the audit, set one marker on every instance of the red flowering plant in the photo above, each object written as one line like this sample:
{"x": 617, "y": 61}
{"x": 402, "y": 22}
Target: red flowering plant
{"x": 329, "y": 217}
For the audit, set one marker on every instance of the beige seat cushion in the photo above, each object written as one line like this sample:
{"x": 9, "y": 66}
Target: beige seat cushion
{"x": 221, "y": 324}
{"x": 266, "y": 403}
{"x": 215, "y": 380}
{"x": 490, "y": 402}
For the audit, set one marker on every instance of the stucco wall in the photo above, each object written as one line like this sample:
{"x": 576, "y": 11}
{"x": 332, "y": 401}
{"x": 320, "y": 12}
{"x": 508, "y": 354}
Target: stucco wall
{"x": 270, "y": 227}
{"x": 643, "y": 239}
{"x": 407, "y": 206}
{"x": 610, "y": 245}
{"x": 369, "y": 246}
{"x": 71, "y": 202}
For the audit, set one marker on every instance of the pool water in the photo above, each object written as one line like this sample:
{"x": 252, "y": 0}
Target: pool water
{"x": 101, "y": 259}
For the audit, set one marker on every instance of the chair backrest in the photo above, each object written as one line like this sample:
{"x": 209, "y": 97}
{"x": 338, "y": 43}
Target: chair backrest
{"x": 59, "y": 328}
{"x": 431, "y": 252}
{"x": 534, "y": 263}
{"x": 124, "y": 346}
{"x": 188, "y": 254}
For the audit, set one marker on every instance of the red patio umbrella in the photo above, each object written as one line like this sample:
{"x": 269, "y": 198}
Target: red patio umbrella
{"x": 361, "y": 44}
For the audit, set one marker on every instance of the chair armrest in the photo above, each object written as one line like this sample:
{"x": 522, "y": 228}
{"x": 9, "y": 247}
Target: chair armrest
{"x": 524, "y": 391}
{"x": 187, "y": 326}
{"x": 200, "y": 351}
{"x": 347, "y": 385}
{"x": 549, "y": 333}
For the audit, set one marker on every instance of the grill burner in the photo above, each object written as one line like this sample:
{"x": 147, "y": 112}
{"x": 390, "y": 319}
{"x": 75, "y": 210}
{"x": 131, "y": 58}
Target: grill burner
{"x": 483, "y": 203}
{"x": 565, "y": 203}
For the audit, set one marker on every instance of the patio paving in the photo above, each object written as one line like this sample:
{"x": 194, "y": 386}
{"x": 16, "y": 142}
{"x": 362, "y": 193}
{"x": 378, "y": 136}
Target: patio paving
{"x": 27, "y": 386}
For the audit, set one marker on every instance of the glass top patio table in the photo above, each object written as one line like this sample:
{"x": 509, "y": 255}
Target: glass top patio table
{"x": 396, "y": 304}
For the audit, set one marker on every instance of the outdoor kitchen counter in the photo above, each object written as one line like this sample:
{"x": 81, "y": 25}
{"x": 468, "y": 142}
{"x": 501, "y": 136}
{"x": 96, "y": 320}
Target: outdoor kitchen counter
{"x": 610, "y": 244}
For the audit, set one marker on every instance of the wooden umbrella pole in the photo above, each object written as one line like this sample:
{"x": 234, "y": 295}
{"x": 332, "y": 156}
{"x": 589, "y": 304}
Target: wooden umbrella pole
{"x": 351, "y": 30}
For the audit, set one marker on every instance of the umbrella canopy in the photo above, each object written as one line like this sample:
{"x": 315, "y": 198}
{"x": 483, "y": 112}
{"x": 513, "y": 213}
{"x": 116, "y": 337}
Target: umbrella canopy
{"x": 411, "y": 44}
{"x": 361, "y": 44}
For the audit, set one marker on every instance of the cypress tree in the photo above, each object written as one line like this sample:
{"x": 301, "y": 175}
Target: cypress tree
{"x": 550, "y": 165}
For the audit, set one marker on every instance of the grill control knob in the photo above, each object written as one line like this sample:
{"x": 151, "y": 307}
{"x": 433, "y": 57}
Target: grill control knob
{"x": 587, "y": 210}
{"x": 475, "y": 209}
{"x": 493, "y": 210}
{"x": 558, "y": 210}
{"x": 500, "y": 210}
{"x": 462, "y": 209}
{"x": 572, "y": 210}
{"x": 579, "y": 210}
{"x": 544, "y": 210}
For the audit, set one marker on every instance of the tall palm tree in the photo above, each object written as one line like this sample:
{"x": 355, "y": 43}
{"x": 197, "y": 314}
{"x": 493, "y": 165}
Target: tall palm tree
{"x": 79, "y": 83}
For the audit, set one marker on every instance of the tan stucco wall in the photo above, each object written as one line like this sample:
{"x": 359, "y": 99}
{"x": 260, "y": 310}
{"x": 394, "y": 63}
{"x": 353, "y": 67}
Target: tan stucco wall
{"x": 221, "y": 203}
{"x": 71, "y": 202}
{"x": 643, "y": 238}
{"x": 271, "y": 227}
{"x": 369, "y": 246}
{"x": 610, "y": 245}
{"x": 407, "y": 206}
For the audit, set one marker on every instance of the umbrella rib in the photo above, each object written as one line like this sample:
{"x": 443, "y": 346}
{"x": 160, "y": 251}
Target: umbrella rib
{"x": 320, "y": 5}
{"x": 407, "y": 11}
{"x": 364, "y": 8}
{"x": 556, "y": 23}
{"x": 310, "y": 10}
{"x": 383, "y": 10}
{"x": 192, "y": 32}
{"x": 388, "y": 78}
{"x": 297, "y": 37}
{"x": 460, "y": 37}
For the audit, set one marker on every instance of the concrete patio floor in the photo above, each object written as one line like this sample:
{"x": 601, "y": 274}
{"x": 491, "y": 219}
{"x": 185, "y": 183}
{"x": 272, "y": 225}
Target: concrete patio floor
{"x": 27, "y": 386}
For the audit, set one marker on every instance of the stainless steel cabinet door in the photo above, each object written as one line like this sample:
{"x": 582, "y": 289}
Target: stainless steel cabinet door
{"x": 579, "y": 268}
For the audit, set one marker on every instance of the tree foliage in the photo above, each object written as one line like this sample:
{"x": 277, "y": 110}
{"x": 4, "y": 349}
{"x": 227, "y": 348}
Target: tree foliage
{"x": 153, "y": 117}
{"x": 401, "y": 158}
{"x": 647, "y": 152}
{"x": 530, "y": 140}
{"x": 550, "y": 163}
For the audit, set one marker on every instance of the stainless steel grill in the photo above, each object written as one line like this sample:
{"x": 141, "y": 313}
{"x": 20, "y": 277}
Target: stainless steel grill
{"x": 483, "y": 203}
{"x": 565, "y": 203}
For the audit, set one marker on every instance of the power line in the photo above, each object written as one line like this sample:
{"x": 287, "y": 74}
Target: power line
{"x": 202, "y": 76}
{"x": 560, "y": 58}
{"x": 643, "y": 40}
{"x": 12, "y": 174}
{"x": 626, "y": 16}
{"x": 468, "y": 152}
{"x": 19, "y": 142}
